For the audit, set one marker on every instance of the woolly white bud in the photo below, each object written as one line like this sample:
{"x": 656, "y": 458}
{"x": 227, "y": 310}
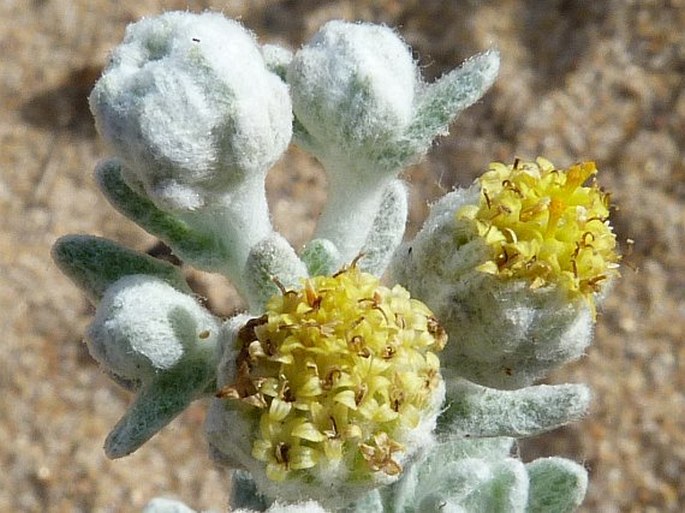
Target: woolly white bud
{"x": 143, "y": 326}
{"x": 189, "y": 106}
{"x": 353, "y": 88}
{"x": 362, "y": 109}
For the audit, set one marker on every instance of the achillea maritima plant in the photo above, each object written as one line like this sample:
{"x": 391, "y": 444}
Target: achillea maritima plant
{"x": 333, "y": 392}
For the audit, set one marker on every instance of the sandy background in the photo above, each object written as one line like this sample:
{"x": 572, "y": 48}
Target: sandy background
{"x": 580, "y": 79}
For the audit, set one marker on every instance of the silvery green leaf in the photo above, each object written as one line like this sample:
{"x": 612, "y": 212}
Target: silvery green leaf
{"x": 197, "y": 248}
{"x": 557, "y": 485}
{"x": 477, "y": 411}
{"x": 94, "y": 263}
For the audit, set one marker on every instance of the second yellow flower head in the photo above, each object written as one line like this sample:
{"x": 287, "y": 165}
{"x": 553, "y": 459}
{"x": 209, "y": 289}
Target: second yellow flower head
{"x": 545, "y": 226}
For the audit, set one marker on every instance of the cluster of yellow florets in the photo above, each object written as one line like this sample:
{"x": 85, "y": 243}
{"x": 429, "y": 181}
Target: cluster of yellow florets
{"x": 340, "y": 370}
{"x": 545, "y": 226}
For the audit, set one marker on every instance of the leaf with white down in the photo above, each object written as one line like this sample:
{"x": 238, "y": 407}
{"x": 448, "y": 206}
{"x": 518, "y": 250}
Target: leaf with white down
{"x": 462, "y": 477}
{"x": 455, "y": 466}
{"x": 474, "y": 410}
{"x": 94, "y": 263}
{"x": 277, "y": 59}
{"x": 321, "y": 256}
{"x": 439, "y": 103}
{"x": 272, "y": 263}
{"x": 192, "y": 246}
{"x": 474, "y": 486}
{"x": 157, "y": 403}
{"x": 505, "y": 492}
{"x": 452, "y": 483}
{"x": 557, "y": 485}
{"x": 387, "y": 230}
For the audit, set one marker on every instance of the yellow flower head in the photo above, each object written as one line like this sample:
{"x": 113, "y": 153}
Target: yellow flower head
{"x": 543, "y": 225}
{"x": 339, "y": 372}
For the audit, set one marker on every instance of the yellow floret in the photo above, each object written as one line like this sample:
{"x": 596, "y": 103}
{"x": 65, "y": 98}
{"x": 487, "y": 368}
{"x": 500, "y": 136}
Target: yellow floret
{"x": 337, "y": 371}
{"x": 545, "y": 226}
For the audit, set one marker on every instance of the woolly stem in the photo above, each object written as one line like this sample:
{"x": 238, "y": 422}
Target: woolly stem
{"x": 353, "y": 202}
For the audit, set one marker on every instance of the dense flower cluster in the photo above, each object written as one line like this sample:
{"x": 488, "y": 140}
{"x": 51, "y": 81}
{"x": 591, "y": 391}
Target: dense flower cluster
{"x": 343, "y": 372}
{"x": 545, "y": 226}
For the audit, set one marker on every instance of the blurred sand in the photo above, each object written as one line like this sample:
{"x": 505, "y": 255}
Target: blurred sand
{"x": 580, "y": 79}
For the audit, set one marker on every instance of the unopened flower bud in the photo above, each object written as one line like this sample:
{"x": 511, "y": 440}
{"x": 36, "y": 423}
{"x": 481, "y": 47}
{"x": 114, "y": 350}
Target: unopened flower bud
{"x": 353, "y": 89}
{"x": 143, "y": 326}
{"x": 189, "y": 106}
{"x": 363, "y": 110}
